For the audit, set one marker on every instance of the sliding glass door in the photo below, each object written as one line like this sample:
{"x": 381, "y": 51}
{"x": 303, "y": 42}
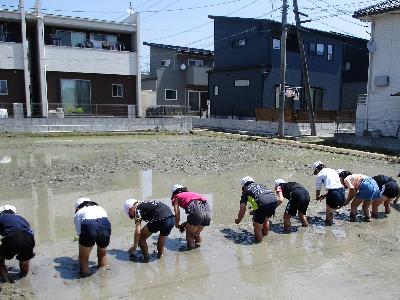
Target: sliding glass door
{"x": 75, "y": 96}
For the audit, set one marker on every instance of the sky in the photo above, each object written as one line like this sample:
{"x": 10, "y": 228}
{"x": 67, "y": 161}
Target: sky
{"x": 186, "y": 23}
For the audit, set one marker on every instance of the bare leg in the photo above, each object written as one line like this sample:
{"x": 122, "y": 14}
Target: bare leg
{"x": 24, "y": 267}
{"x": 258, "y": 232}
{"x": 160, "y": 245}
{"x": 303, "y": 219}
{"x": 354, "y": 205}
{"x": 286, "y": 222}
{"x": 197, "y": 237}
{"x": 365, "y": 207}
{"x": 144, "y": 235}
{"x": 375, "y": 206}
{"x": 101, "y": 257}
{"x": 387, "y": 205}
{"x": 190, "y": 236}
{"x": 265, "y": 228}
{"x": 84, "y": 253}
{"x": 3, "y": 270}
{"x": 328, "y": 215}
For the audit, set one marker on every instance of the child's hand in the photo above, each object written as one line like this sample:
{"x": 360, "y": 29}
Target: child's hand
{"x": 132, "y": 250}
{"x": 237, "y": 221}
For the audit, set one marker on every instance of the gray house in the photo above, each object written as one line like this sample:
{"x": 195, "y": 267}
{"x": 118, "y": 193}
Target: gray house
{"x": 179, "y": 75}
{"x": 247, "y": 63}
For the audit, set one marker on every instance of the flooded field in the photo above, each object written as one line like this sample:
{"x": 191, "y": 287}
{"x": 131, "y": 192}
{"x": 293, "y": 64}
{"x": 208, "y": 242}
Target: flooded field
{"x": 43, "y": 177}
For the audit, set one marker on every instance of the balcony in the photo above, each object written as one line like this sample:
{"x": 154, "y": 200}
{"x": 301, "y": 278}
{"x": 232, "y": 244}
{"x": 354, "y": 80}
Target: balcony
{"x": 90, "y": 60}
{"x": 197, "y": 75}
{"x": 12, "y": 56}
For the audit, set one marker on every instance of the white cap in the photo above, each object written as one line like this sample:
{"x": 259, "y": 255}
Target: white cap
{"x": 8, "y": 207}
{"x": 279, "y": 181}
{"x": 245, "y": 180}
{"x": 128, "y": 204}
{"x": 80, "y": 201}
{"x": 175, "y": 187}
{"x": 316, "y": 164}
{"x": 340, "y": 170}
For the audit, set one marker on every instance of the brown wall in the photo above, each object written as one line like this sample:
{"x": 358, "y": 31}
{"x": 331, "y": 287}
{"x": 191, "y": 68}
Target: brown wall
{"x": 100, "y": 85}
{"x": 16, "y": 87}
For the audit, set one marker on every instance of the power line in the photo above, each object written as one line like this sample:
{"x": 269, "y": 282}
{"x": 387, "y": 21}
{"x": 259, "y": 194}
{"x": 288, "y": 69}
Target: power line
{"x": 169, "y": 5}
{"x": 200, "y": 26}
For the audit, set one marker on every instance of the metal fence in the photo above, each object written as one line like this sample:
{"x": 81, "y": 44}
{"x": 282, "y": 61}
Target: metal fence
{"x": 92, "y": 110}
{"x": 168, "y": 111}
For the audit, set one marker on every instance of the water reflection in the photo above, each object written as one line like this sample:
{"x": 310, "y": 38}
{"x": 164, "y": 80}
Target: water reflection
{"x": 50, "y": 212}
{"x": 5, "y": 159}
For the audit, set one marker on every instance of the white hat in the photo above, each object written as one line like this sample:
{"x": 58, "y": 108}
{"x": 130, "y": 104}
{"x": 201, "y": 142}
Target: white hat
{"x": 8, "y": 207}
{"x": 128, "y": 204}
{"x": 246, "y": 180}
{"x": 340, "y": 170}
{"x": 175, "y": 187}
{"x": 80, "y": 201}
{"x": 316, "y": 164}
{"x": 279, "y": 181}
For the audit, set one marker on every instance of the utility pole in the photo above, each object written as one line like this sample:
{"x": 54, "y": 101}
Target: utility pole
{"x": 306, "y": 80}
{"x": 282, "y": 92}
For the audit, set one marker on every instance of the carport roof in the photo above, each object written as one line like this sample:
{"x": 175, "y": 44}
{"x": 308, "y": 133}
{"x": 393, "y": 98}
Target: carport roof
{"x": 183, "y": 50}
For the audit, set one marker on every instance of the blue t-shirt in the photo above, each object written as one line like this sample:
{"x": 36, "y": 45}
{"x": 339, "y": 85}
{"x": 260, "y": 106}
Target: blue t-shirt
{"x": 11, "y": 222}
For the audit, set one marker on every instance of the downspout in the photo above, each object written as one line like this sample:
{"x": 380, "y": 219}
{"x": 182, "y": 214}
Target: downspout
{"x": 369, "y": 87}
{"x": 139, "y": 69}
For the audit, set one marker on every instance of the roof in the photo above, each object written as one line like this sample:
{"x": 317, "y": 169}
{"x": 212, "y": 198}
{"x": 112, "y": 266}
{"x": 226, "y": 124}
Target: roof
{"x": 129, "y": 24}
{"x": 183, "y": 50}
{"x": 376, "y": 9}
{"x": 337, "y": 35}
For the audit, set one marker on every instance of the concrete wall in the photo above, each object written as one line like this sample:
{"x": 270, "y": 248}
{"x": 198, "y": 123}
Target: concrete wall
{"x": 94, "y": 124}
{"x": 377, "y": 143}
{"x": 270, "y": 128}
{"x": 12, "y": 56}
{"x": 383, "y": 109}
{"x": 89, "y": 60}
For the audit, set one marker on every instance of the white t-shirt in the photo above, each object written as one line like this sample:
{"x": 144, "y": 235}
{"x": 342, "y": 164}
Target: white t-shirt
{"x": 88, "y": 213}
{"x": 329, "y": 178}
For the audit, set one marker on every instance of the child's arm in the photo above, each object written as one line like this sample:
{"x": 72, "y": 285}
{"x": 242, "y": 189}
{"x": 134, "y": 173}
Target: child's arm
{"x": 177, "y": 214}
{"x": 241, "y": 213}
{"x": 136, "y": 237}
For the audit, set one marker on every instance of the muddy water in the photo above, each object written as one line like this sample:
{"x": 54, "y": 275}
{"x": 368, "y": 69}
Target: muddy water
{"x": 349, "y": 261}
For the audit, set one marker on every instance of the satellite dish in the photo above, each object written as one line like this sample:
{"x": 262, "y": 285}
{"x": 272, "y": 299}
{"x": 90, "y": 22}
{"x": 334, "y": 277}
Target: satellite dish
{"x": 183, "y": 67}
{"x": 371, "y": 46}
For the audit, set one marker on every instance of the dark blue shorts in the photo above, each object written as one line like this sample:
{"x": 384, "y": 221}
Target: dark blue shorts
{"x": 19, "y": 243}
{"x": 335, "y": 198}
{"x": 97, "y": 231}
{"x": 163, "y": 226}
{"x": 264, "y": 211}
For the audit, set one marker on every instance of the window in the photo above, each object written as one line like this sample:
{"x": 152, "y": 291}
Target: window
{"x": 242, "y": 82}
{"x": 276, "y": 44}
{"x": 171, "y": 94}
{"x": 347, "y": 66}
{"x": 239, "y": 43}
{"x": 117, "y": 90}
{"x": 330, "y": 52}
{"x": 195, "y": 62}
{"x": 71, "y": 38}
{"x": 76, "y": 95}
{"x": 165, "y": 62}
{"x": 311, "y": 48}
{"x": 320, "y": 49}
{"x": 3, "y": 87}
{"x": 216, "y": 90}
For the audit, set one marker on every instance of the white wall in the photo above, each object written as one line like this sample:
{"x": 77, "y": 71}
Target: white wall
{"x": 383, "y": 109}
{"x": 89, "y": 60}
{"x": 11, "y": 56}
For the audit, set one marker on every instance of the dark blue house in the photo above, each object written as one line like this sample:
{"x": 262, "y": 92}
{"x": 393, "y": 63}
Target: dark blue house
{"x": 247, "y": 63}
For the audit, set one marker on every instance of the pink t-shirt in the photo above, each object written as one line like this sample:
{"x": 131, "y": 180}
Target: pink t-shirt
{"x": 185, "y": 198}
